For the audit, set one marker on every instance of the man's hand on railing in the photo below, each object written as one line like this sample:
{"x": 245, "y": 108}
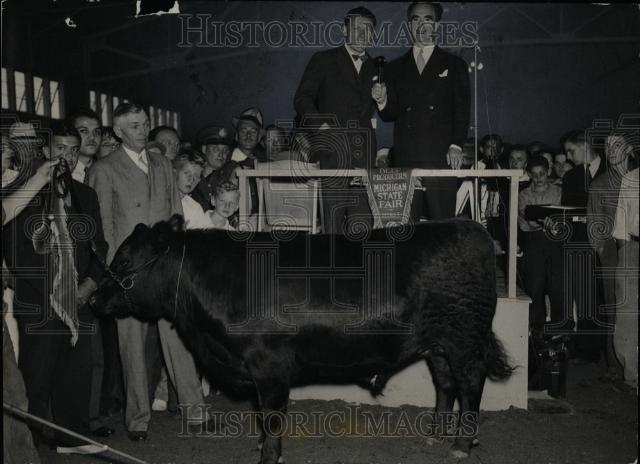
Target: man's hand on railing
{"x": 455, "y": 157}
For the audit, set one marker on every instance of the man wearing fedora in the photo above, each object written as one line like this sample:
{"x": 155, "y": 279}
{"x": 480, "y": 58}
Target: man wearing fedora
{"x": 333, "y": 101}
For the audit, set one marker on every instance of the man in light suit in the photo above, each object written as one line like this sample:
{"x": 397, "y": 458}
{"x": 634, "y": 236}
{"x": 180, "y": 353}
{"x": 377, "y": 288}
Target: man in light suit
{"x": 427, "y": 95}
{"x": 133, "y": 186}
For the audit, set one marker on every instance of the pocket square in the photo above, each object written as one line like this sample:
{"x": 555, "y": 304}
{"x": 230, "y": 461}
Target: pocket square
{"x": 444, "y": 73}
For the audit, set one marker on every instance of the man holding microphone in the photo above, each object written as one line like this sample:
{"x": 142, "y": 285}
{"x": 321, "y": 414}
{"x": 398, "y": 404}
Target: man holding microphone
{"x": 426, "y": 95}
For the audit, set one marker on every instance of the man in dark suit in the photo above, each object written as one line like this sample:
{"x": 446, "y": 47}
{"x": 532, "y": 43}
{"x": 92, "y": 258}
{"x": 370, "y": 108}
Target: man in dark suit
{"x": 333, "y": 101}
{"x": 426, "y": 94}
{"x": 580, "y": 258}
{"x": 48, "y": 249}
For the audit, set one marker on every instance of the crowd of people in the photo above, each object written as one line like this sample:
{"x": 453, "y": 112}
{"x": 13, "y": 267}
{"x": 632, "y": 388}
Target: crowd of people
{"x": 102, "y": 181}
{"x": 568, "y": 256}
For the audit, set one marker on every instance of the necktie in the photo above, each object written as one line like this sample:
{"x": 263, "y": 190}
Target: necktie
{"x": 420, "y": 62}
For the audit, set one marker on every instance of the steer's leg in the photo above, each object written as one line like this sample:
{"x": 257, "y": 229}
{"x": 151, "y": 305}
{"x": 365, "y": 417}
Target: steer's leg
{"x": 470, "y": 374}
{"x": 446, "y": 393}
{"x": 273, "y": 396}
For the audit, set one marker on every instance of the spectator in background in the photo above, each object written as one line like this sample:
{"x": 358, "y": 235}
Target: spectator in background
{"x": 89, "y": 126}
{"x": 518, "y": 157}
{"x": 491, "y": 149}
{"x": 579, "y": 267}
{"x": 601, "y": 211}
{"x": 541, "y": 263}
{"x": 535, "y": 148}
{"x": 188, "y": 167}
{"x": 249, "y": 132}
{"x": 561, "y": 165}
{"x": 110, "y": 142}
{"x": 169, "y": 138}
{"x": 626, "y": 232}
{"x": 215, "y": 143}
{"x": 225, "y": 202}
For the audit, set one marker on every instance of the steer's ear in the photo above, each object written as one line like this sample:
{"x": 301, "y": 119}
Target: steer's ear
{"x": 177, "y": 223}
{"x": 161, "y": 234}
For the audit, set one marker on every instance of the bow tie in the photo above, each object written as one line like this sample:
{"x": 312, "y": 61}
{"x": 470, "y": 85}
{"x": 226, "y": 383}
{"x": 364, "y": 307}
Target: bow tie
{"x": 363, "y": 58}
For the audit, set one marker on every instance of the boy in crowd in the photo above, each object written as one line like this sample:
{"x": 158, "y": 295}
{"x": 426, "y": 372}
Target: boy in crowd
{"x": 226, "y": 202}
{"x": 542, "y": 263}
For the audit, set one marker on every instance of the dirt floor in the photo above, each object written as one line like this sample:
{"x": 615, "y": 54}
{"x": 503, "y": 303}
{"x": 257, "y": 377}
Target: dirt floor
{"x": 597, "y": 424}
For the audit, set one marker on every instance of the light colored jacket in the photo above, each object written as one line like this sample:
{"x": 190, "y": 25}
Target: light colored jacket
{"x": 128, "y": 196}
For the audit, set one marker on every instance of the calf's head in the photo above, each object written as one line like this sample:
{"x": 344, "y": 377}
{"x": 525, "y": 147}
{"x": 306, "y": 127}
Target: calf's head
{"x": 135, "y": 280}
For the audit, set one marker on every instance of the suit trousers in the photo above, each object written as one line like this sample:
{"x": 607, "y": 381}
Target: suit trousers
{"x": 580, "y": 261}
{"x": 437, "y": 200}
{"x": 182, "y": 372}
{"x": 542, "y": 267}
{"x": 345, "y": 208}
{"x": 112, "y": 392}
{"x": 55, "y": 371}
{"x": 607, "y": 262}
{"x": 625, "y": 339}
{"x": 97, "y": 376}
{"x": 132, "y": 335}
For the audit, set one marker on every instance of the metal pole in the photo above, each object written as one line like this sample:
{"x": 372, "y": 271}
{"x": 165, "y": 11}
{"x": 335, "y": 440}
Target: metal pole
{"x": 25, "y": 414}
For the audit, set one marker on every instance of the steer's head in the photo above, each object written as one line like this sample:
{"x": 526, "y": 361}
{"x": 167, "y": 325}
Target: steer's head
{"x": 136, "y": 279}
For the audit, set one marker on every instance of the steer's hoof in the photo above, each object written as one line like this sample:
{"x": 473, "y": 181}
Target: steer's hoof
{"x": 459, "y": 454}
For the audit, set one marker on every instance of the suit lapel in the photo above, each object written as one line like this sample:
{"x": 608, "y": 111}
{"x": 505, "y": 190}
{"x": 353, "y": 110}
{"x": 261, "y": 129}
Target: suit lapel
{"x": 346, "y": 67}
{"x": 410, "y": 67}
{"x": 433, "y": 67}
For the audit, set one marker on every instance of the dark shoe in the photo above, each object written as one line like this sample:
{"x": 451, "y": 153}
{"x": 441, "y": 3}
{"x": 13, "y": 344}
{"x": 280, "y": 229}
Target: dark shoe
{"x": 103, "y": 432}
{"x": 134, "y": 435}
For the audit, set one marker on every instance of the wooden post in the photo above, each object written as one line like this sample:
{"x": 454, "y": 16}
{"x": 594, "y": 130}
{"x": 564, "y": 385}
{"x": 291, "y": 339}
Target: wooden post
{"x": 513, "y": 234}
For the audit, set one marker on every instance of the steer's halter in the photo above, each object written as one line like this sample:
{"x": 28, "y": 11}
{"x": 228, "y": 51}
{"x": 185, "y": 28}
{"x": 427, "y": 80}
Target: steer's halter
{"x": 127, "y": 283}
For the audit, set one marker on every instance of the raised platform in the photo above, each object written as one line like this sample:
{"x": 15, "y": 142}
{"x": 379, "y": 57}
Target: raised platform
{"x": 413, "y": 385}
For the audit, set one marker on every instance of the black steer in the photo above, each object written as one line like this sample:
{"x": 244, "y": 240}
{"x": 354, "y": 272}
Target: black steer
{"x": 263, "y": 315}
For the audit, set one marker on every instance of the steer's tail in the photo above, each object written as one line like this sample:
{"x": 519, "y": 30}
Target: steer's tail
{"x": 496, "y": 360}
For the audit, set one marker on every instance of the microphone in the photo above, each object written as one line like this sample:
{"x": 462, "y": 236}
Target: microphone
{"x": 380, "y": 62}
